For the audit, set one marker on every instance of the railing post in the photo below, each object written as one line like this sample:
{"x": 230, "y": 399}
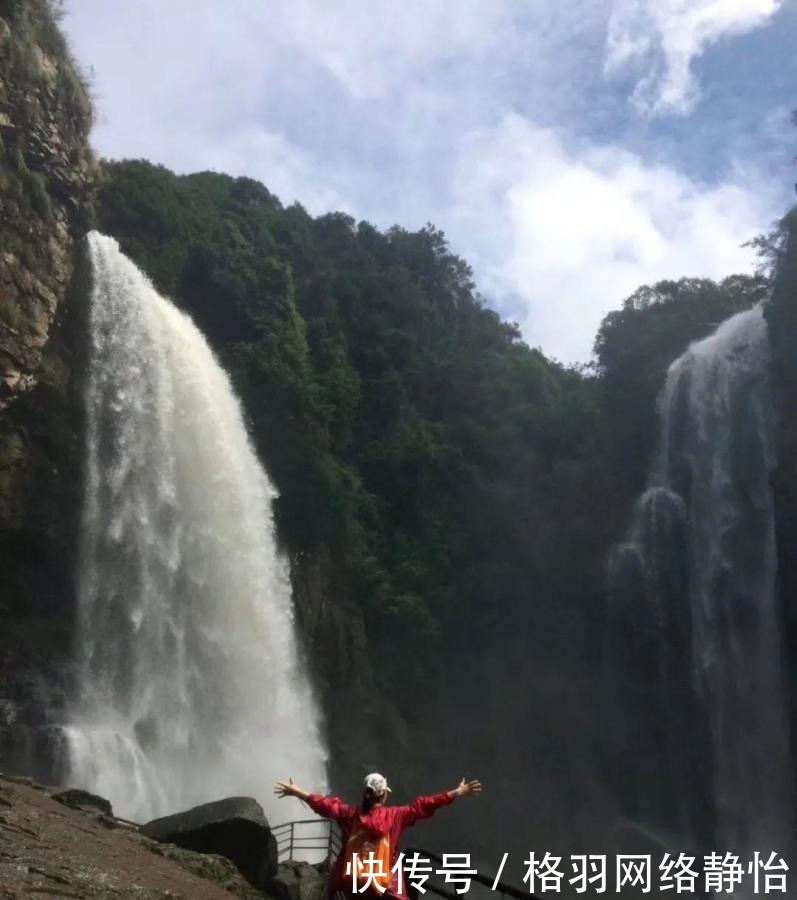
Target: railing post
{"x": 290, "y": 851}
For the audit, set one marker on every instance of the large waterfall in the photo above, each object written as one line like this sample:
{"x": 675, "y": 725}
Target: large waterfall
{"x": 695, "y": 602}
{"x": 191, "y": 683}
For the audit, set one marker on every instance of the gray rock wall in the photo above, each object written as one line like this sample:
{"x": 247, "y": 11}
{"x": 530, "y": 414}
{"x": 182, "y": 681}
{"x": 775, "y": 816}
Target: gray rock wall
{"x": 46, "y": 177}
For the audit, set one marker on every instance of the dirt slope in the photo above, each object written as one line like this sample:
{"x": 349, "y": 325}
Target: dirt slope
{"x": 49, "y": 850}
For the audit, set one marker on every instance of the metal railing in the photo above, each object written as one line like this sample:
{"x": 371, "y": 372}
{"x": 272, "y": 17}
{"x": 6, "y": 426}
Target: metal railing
{"x": 293, "y": 842}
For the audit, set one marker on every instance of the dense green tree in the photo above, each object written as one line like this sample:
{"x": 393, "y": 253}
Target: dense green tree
{"x": 636, "y": 344}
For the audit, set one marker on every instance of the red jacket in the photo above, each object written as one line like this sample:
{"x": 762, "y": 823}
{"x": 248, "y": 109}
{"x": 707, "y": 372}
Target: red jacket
{"x": 380, "y": 819}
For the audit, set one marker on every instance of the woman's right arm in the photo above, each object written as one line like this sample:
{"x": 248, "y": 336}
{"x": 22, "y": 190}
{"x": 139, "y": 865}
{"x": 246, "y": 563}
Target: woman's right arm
{"x": 327, "y": 806}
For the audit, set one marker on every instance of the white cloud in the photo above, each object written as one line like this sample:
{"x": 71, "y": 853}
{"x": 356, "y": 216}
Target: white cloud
{"x": 375, "y": 46}
{"x": 430, "y": 110}
{"x": 779, "y": 125}
{"x": 288, "y": 171}
{"x": 664, "y": 37}
{"x": 581, "y": 230}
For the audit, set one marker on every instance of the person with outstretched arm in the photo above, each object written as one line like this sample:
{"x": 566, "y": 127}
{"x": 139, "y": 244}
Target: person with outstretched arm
{"x": 372, "y": 829}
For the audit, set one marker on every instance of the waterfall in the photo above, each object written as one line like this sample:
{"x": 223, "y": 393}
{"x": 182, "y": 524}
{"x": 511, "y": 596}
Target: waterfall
{"x": 191, "y": 686}
{"x": 694, "y": 586}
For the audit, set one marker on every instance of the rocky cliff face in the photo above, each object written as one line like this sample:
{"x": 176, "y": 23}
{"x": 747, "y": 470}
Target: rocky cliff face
{"x": 46, "y": 175}
{"x": 45, "y": 170}
{"x": 782, "y": 317}
{"x": 363, "y": 727}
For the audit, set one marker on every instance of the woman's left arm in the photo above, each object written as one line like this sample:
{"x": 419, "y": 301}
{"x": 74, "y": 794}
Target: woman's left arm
{"x": 466, "y": 788}
{"x": 425, "y": 806}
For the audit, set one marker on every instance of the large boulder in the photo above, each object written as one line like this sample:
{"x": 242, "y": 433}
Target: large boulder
{"x": 80, "y": 799}
{"x": 235, "y": 828}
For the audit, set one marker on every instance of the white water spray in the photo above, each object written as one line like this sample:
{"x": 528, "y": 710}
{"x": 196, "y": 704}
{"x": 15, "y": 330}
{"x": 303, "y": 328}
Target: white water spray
{"x": 717, "y": 453}
{"x": 191, "y": 683}
{"x": 699, "y": 565}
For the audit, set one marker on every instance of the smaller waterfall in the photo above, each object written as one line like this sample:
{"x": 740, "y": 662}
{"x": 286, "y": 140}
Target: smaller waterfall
{"x": 190, "y": 684}
{"x": 694, "y": 612}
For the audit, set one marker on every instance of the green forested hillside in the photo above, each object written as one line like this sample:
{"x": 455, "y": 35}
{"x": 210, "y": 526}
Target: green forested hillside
{"x": 398, "y": 415}
{"x": 406, "y": 425}
{"x": 462, "y": 488}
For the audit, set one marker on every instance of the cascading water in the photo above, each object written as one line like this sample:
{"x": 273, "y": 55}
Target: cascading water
{"x": 191, "y": 684}
{"x": 700, "y": 563}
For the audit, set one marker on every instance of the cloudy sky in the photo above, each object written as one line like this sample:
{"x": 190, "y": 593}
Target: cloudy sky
{"x": 571, "y": 151}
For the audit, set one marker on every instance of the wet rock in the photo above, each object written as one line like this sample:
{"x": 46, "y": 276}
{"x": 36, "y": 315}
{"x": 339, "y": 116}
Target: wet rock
{"x": 296, "y": 881}
{"x": 80, "y": 799}
{"x": 23, "y": 779}
{"x": 209, "y": 866}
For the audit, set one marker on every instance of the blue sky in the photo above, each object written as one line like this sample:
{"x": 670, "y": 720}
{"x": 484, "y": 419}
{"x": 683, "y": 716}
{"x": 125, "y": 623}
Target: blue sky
{"x": 570, "y": 151}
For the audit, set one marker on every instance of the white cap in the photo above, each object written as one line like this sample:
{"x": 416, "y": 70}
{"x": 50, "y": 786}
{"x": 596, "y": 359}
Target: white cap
{"x": 376, "y": 783}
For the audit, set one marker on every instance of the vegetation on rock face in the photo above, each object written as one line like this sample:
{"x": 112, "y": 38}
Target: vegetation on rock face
{"x": 46, "y": 171}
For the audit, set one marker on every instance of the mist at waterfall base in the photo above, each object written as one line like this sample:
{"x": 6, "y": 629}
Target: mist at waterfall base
{"x": 191, "y": 685}
{"x": 694, "y": 638}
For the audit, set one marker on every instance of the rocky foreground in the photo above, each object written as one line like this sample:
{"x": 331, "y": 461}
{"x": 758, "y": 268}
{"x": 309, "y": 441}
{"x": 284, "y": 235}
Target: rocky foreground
{"x": 56, "y": 843}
